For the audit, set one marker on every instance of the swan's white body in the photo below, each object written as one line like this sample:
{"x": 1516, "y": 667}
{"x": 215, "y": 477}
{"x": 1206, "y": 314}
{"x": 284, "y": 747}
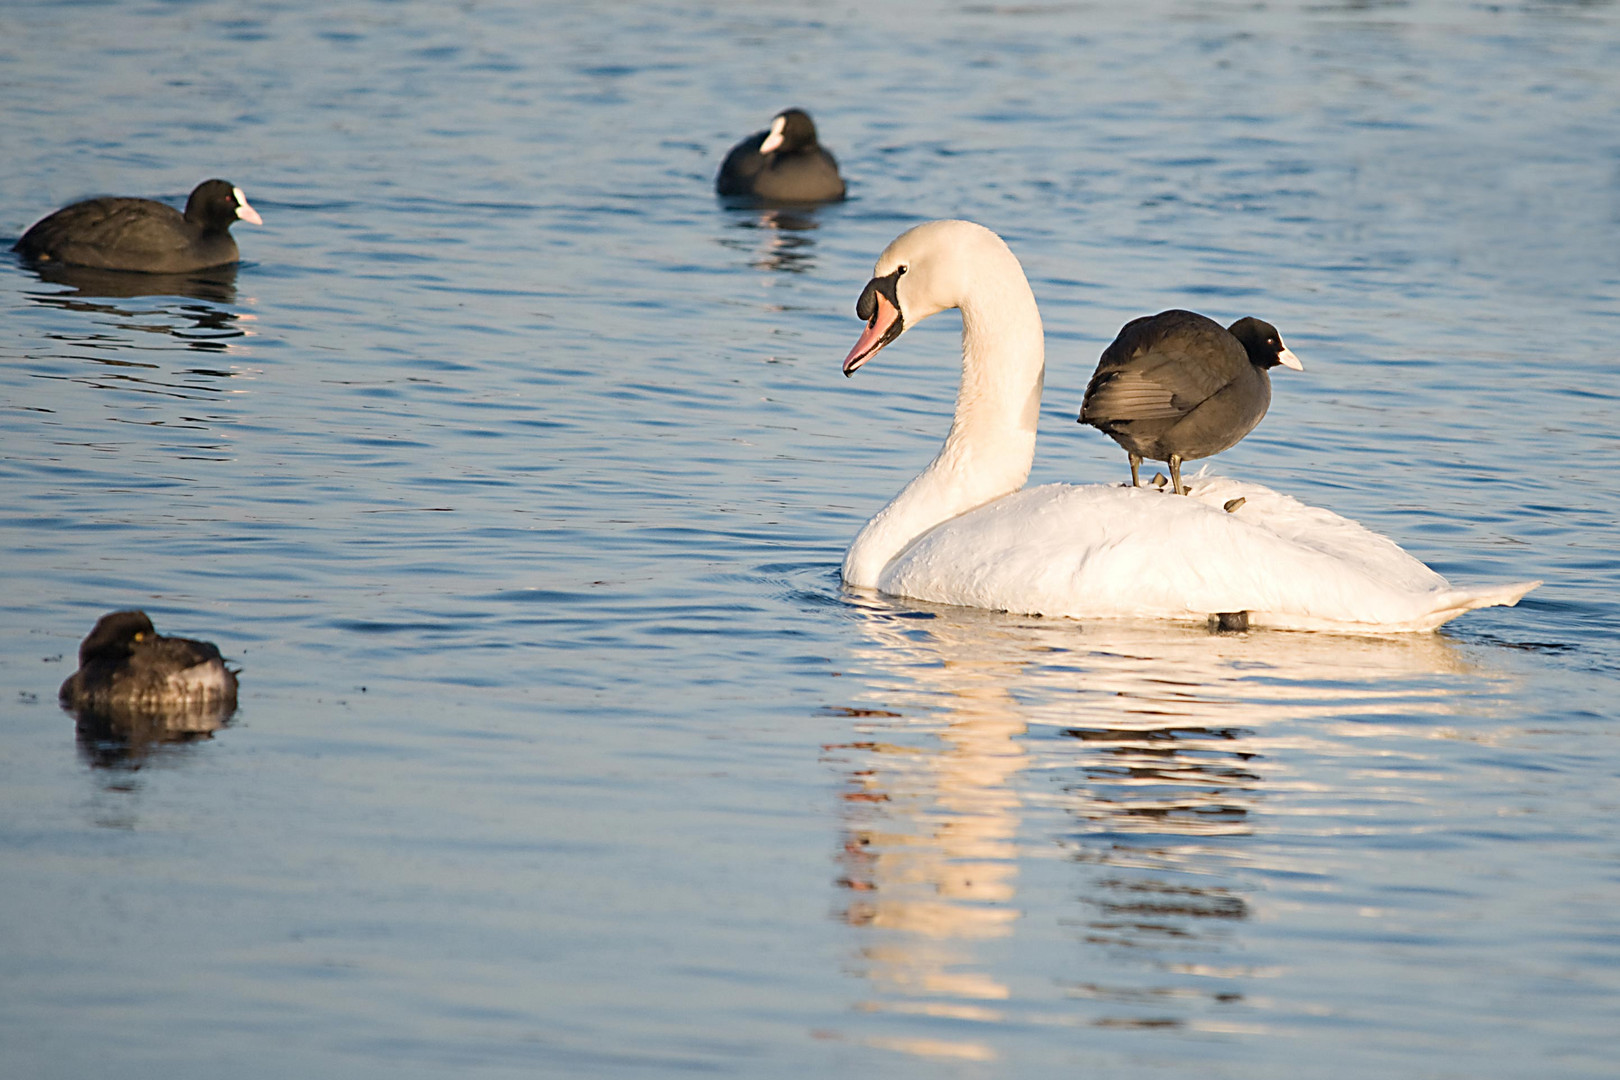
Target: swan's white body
{"x": 964, "y": 533}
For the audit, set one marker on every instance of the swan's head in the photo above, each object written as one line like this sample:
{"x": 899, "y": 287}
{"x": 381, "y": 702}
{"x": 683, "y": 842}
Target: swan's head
{"x": 1263, "y": 344}
{"x": 924, "y": 271}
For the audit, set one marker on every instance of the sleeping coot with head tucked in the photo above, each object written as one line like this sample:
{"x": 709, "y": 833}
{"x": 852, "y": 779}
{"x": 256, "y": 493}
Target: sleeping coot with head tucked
{"x": 1177, "y": 386}
{"x": 784, "y": 164}
{"x": 127, "y": 666}
{"x": 139, "y": 234}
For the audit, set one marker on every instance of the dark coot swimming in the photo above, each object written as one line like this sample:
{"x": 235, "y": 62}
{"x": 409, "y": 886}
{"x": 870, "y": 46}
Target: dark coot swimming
{"x": 1178, "y": 386}
{"x": 784, "y": 164}
{"x": 118, "y": 233}
{"x": 127, "y": 666}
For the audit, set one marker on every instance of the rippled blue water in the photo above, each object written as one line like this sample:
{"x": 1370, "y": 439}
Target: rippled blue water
{"x": 514, "y": 472}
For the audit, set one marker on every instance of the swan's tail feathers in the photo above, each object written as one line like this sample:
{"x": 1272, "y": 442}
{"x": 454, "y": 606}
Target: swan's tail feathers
{"x": 1453, "y": 602}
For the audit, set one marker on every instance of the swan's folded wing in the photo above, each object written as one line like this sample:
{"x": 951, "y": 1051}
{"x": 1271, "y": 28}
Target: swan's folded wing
{"x": 1110, "y": 552}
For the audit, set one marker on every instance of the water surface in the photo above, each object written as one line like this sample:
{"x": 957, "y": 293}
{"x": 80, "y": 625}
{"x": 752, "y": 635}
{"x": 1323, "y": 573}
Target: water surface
{"x": 514, "y": 472}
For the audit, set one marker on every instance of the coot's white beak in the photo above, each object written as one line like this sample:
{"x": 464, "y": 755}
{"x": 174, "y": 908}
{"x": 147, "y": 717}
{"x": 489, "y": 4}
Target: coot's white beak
{"x": 1287, "y": 359}
{"x": 244, "y": 211}
{"x": 773, "y": 138}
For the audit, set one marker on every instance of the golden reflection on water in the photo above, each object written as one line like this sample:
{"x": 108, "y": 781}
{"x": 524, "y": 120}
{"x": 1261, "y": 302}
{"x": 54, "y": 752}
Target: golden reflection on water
{"x": 1140, "y": 754}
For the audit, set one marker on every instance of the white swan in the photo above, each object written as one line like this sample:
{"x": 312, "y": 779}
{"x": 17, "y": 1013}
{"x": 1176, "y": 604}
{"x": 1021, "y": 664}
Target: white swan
{"x": 964, "y": 533}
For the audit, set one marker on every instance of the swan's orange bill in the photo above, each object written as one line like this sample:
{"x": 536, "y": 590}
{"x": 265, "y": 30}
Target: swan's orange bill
{"x": 884, "y": 328}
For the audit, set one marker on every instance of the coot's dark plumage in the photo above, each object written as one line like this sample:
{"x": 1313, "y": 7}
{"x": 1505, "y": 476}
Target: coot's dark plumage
{"x": 139, "y": 234}
{"x": 1177, "y": 386}
{"x": 127, "y": 666}
{"x": 784, "y": 164}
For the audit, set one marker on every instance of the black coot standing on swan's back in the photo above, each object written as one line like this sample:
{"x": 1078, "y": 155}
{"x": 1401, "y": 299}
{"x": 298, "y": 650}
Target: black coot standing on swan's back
{"x": 118, "y": 233}
{"x": 126, "y": 666}
{"x": 784, "y": 164}
{"x": 1177, "y": 386}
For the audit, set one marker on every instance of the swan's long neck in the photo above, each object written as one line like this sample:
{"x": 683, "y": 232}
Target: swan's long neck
{"x": 991, "y": 445}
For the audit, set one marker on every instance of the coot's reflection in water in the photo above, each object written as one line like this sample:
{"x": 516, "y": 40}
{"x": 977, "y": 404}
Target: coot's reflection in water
{"x": 776, "y": 238}
{"x": 126, "y": 738}
{"x": 216, "y": 284}
{"x": 1142, "y": 754}
{"x": 201, "y": 326}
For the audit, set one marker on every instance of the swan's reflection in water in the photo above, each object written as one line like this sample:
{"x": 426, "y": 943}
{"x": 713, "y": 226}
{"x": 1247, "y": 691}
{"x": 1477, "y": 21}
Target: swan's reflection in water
{"x": 202, "y": 325}
{"x": 776, "y": 238}
{"x": 986, "y": 745}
